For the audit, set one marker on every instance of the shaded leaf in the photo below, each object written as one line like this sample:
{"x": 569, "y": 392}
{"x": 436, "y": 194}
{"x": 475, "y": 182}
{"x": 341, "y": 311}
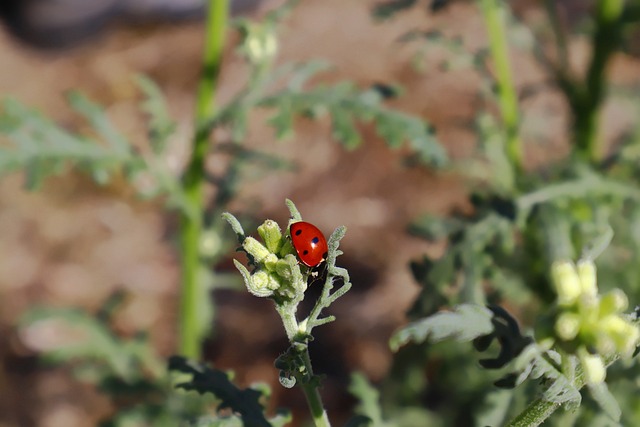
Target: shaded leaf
{"x": 207, "y": 380}
{"x": 466, "y": 323}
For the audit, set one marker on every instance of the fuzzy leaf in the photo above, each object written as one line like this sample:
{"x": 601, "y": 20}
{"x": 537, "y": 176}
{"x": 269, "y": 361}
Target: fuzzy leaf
{"x": 466, "y": 323}
{"x": 534, "y": 363}
{"x": 347, "y": 106}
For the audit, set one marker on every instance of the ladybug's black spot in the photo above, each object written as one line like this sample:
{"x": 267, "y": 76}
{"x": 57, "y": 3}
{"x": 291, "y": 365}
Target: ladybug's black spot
{"x": 298, "y": 232}
{"x": 315, "y": 240}
{"x": 305, "y": 252}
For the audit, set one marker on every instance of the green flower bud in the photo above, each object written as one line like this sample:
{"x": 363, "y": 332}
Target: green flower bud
{"x": 631, "y": 339}
{"x": 255, "y": 249}
{"x": 287, "y": 248}
{"x": 270, "y": 262}
{"x": 210, "y": 243}
{"x": 271, "y": 235}
{"x": 261, "y": 288}
{"x": 289, "y": 270}
{"x": 566, "y": 281}
{"x": 622, "y": 334}
{"x": 613, "y": 302}
{"x": 261, "y": 44}
{"x": 263, "y": 283}
{"x": 593, "y": 366}
{"x": 587, "y": 273}
{"x": 567, "y": 326}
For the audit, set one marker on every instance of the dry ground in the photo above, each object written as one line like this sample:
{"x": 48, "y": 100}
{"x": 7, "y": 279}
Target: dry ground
{"x": 73, "y": 243}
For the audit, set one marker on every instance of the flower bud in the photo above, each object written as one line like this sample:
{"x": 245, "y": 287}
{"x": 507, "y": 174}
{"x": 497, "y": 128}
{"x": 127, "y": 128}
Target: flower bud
{"x": 623, "y": 334}
{"x": 593, "y": 366}
{"x": 567, "y": 326}
{"x": 587, "y": 273}
{"x": 287, "y": 248}
{"x": 261, "y": 44}
{"x": 255, "y": 249}
{"x": 289, "y": 270}
{"x": 566, "y": 281}
{"x": 613, "y": 302}
{"x": 270, "y": 262}
{"x": 260, "y": 288}
{"x": 285, "y": 268}
{"x": 271, "y": 235}
{"x": 263, "y": 283}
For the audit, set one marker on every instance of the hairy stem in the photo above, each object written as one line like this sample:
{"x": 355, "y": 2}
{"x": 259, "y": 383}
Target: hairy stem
{"x": 314, "y": 400}
{"x": 193, "y": 182}
{"x": 508, "y": 100}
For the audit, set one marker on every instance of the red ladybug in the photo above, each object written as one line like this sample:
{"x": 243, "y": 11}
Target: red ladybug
{"x": 309, "y": 243}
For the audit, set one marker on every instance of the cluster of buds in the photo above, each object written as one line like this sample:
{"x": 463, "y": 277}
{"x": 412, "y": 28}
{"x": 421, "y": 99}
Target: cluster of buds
{"x": 260, "y": 43}
{"x": 587, "y": 324}
{"x": 277, "y": 272}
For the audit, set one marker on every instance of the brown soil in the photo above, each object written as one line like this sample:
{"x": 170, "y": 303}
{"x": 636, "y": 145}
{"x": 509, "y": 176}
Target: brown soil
{"x": 73, "y": 243}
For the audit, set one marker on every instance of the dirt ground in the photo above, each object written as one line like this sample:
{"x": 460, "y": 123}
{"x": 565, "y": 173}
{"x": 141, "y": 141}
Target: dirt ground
{"x": 74, "y": 243}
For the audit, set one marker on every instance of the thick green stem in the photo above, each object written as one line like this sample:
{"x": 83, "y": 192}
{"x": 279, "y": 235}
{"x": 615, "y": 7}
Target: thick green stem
{"x": 307, "y": 383}
{"x": 193, "y": 182}
{"x": 587, "y": 100}
{"x": 495, "y": 22}
{"x": 314, "y": 400}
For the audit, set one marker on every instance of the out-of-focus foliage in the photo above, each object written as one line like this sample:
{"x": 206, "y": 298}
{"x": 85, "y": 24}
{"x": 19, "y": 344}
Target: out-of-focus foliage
{"x": 496, "y": 271}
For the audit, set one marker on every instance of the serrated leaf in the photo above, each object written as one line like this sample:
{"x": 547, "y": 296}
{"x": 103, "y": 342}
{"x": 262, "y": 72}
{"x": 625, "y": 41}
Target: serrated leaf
{"x": 466, "y": 323}
{"x": 533, "y": 363}
{"x": 347, "y": 106}
{"x": 42, "y": 148}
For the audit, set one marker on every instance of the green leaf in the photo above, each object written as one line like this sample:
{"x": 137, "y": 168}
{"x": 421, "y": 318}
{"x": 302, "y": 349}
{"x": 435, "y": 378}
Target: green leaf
{"x": 99, "y": 121}
{"x": 347, "y": 106}
{"x": 42, "y": 148}
{"x": 466, "y": 323}
{"x": 161, "y": 125}
{"x": 534, "y": 363}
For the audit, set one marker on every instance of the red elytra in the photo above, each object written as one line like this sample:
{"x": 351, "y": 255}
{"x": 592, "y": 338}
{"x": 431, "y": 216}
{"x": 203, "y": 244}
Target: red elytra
{"x": 309, "y": 243}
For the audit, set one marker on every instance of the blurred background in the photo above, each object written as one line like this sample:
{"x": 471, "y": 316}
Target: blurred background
{"x": 74, "y": 243}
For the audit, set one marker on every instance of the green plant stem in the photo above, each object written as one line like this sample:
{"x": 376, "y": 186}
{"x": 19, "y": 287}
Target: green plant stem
{"x": 508, "y": 100}
{"x": 307, "y": 383}
{"x": 586, "y": 100}
{"x": 314, "y": 400}
{"x": 194, "y": 180}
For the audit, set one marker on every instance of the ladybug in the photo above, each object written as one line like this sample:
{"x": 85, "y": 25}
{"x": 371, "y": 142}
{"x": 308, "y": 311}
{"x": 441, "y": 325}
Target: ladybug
{"x": 309, "y": 243}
